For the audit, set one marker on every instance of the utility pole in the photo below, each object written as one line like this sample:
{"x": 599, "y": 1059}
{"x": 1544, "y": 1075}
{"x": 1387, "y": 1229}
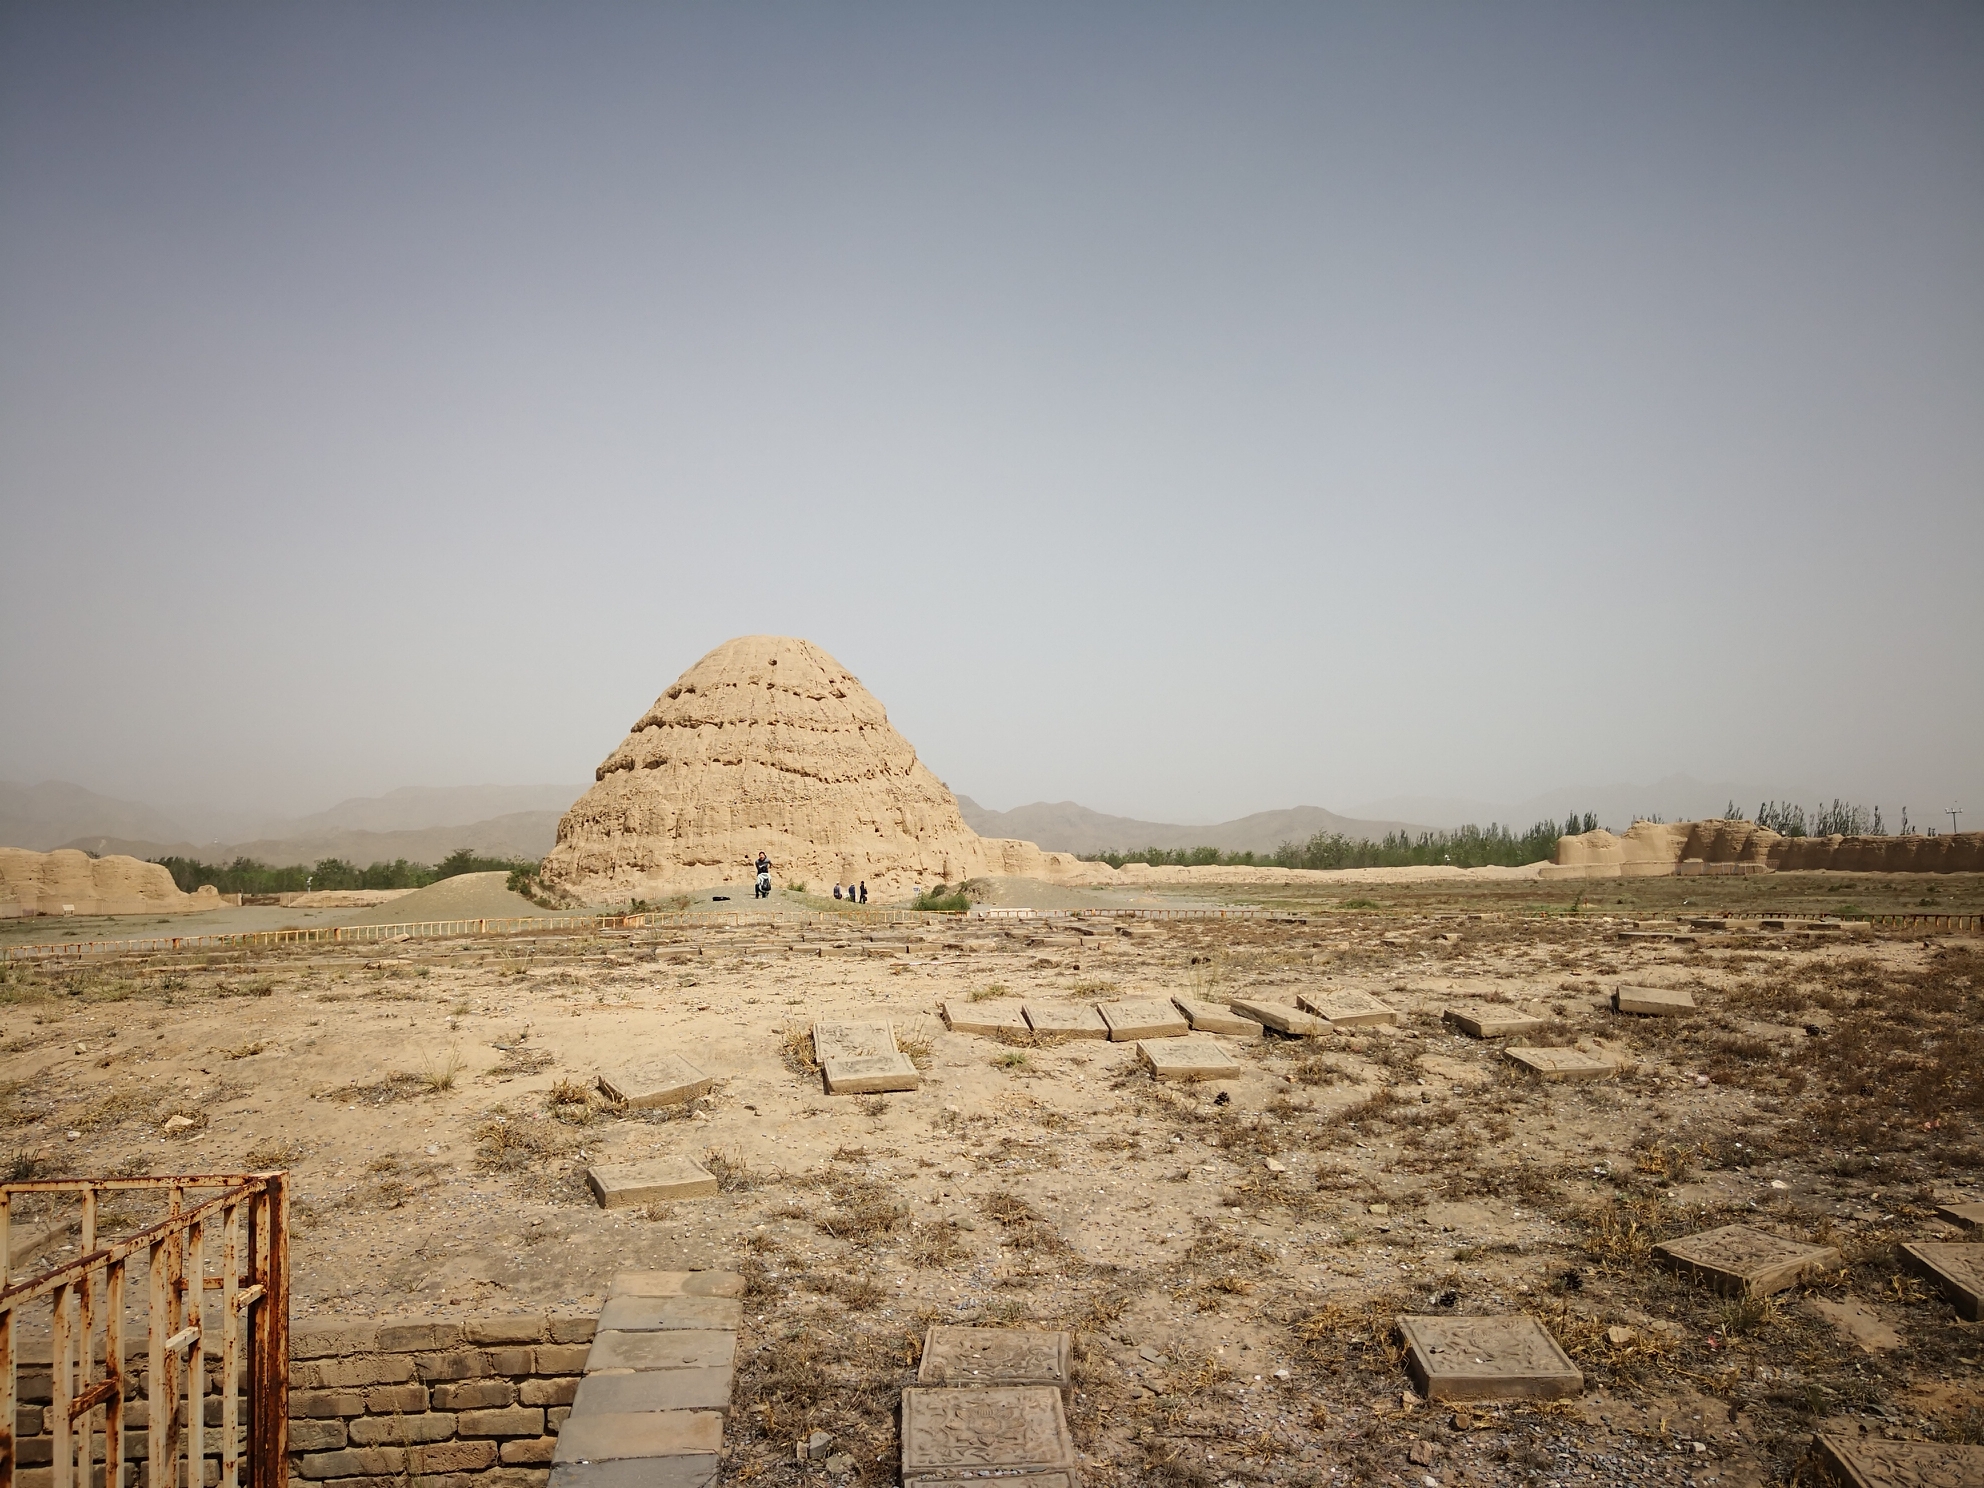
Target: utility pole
{"x": 1954, "y": 813}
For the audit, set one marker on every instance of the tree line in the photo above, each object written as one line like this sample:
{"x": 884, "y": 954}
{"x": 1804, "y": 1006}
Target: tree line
{"x": 1464, "y": 847}
{"x": 250, "y": 876}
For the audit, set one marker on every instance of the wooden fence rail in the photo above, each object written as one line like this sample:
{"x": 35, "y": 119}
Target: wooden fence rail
{"x": 325, "y": 935}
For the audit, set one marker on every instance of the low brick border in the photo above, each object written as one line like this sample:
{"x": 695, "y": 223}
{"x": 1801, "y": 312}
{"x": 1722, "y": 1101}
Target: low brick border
{"x": 472, "y": 1402}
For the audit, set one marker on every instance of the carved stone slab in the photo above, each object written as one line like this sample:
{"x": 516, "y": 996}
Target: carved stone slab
{"x": 870, "y": 1074}
{"x": 995, "y": 1356}
{"x": 1736, "y": 1259}
{"x": 1965, "y": 1216}
{"x": 1280, "y": 1017}
{"x": 1868, "y": 1462}
{"x": 957, "y": 1432}
{"x": 1348, "y": 1008}
{"x": 1653, "y": 1002}
{"x": 1485, "y": 1021}
{"x": 1562, "y": 1064}
{"x": 1213, "y": 1017}
{"x": 623, "y": 1185}
{"x": 851, "y": 1040}
{"x": 1188, "y": 1059}
{"x": 985, "y": 1017}
{"x": 1957, "y": 1269}
{"x": 1143, "y": 1018}
{"x": 1487, "y": 1358}
{"x": 1068, "y": 1020}
{"x": 665, "y": 1080}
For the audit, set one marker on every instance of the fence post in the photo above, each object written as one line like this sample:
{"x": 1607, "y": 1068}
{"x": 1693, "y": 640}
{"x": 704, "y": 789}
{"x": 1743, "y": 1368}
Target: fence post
{"x": 268, "y": 1347}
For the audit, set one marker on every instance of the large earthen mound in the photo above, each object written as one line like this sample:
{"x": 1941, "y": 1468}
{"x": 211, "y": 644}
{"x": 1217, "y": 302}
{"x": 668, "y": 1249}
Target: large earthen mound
{"x": 770, "y": 744}
{"x": 70, "y": 882}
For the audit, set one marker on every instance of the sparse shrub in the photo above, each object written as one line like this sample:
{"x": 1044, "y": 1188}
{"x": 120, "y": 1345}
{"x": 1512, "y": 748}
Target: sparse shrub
{"x": 943, "y": 899}
{"x": 439, "y": 1070}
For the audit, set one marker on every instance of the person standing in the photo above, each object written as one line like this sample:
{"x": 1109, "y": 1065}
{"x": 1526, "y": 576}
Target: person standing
{"x": 836, "y": 889}
{"x": 864, "y": 891}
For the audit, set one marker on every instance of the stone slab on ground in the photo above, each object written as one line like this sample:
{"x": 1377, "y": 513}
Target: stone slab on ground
{"x": 653, "y": 1314}
{"x": 699, "y": 1471}
{"x": 675, "y": 1284}
{"x": 681, "y": 1348}
{"x": 1736, "y": 1260}
{"x": 1000, "y": 1016}
{"x": 665, "y": 1080}
{"x": 1006, "y": 1480}
{"x": 1348, "y": 1008}
{"x": 1653, "y": 1002}
{"x": 1483, "y": 1021}
{"x": 1958, "y": 1270}
{"x": 658, "y": 1180}
{"x": 1966, "y": 1216}
{"x": 1487, "y": 1358}
{"x": 1142, "y": 1018}
{"x": 617, "y": 1436}
{"x": 1561, "y": 1064}
{"x": 870, "y": 1074}
{"x": 1189, "y": 1058}
{"x": 1213, "y": 1017}
{"x": 1066, "y": 1020}
{"x": 1870, "y": 1462}
{"x": 613, "y": 1391}
{"x": 852, "y": 1040}
{"x": 963, "y": 1431}
{"x": 1280, "y": 1017}
{"x": 995, "y": 1356}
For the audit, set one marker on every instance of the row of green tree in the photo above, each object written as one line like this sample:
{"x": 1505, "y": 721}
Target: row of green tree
{"x": 1464, "y": 847}
{"x": 1841, "y": 818}
{"x": 248, "y": 876}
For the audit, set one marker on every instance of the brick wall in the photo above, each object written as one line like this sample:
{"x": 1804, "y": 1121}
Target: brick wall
{"x": 466, "y": 1403}
{"x": 471, "y": 1402}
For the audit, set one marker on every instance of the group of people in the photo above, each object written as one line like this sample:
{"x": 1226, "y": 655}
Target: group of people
{"x": 854, "y": 893}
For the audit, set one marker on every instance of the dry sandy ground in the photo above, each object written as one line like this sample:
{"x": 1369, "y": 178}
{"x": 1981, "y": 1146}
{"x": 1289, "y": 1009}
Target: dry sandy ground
{"x": 1230, "y": 1255}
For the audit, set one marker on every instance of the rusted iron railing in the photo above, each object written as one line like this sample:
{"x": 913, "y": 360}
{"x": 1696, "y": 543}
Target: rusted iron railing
{"x": 245, "y": 1218}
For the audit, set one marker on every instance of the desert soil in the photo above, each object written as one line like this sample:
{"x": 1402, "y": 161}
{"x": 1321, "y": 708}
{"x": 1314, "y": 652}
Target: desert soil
{"x": 1231, "y": 1255}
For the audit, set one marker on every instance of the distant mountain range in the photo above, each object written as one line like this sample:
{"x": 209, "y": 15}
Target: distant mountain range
{"x": 1063, "y": 826}
{"x": 420, "y": 823}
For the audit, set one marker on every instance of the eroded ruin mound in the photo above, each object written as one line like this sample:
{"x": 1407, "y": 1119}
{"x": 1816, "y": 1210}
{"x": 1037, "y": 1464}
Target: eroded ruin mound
{"x": 768, "y": 744}
{"x": 70, "y": 882}
{"x": 1653, "y": 849}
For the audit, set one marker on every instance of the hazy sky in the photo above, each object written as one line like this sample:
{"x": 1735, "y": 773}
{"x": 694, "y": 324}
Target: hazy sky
{"x": 1187, "y": 410}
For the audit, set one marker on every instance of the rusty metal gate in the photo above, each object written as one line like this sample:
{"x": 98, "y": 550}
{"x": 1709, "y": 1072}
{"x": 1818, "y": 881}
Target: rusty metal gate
{"x": 237, "y": 1223}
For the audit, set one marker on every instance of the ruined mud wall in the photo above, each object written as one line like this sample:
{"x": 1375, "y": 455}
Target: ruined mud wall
{"x": 470, "y": 1402}
{"x": 1655, "y": 849}
{"x": 70, "y": 882}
